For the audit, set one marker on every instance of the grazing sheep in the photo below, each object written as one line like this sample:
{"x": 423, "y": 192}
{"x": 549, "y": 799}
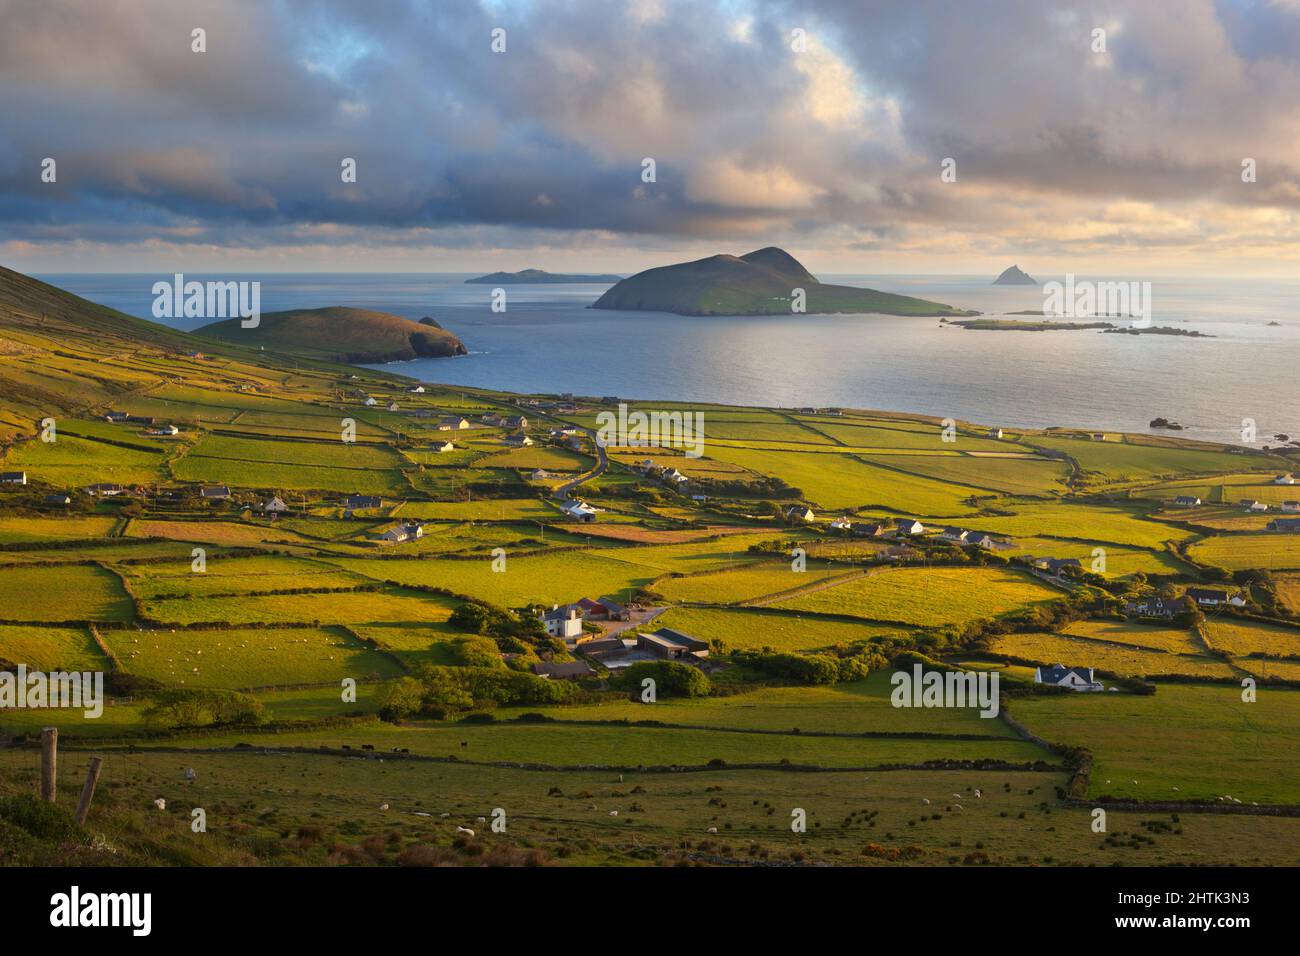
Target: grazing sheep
{"x": 1174, "y": 788}
{"x": 959, "y": 807}
{"x": 465, "y": 830}
{"x": 160, "y": 803}
{"x": 613, "y": 813}
{"x": 956, "y": 796}
{"x": 713, "y": 829}
{"x": 383, "y": 806}
{"x": 978, "y": 794}
{"x": 444, "y": 815}
{"x": 925, "y": 801}
{"x": 480, "y": 819}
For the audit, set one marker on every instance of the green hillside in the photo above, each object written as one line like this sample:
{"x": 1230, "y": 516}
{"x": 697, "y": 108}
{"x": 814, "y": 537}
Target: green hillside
{"x": 341, "y": 334}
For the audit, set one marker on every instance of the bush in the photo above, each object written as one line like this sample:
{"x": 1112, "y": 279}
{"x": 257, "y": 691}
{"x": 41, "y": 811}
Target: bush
{"x": 45, "y": 821}
{"x": 671, "y": 678}
{"x": 204, "y": 708}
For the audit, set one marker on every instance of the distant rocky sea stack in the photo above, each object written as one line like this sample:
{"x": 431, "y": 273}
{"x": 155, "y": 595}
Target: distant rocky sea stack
{"x": 1015, "y": 276}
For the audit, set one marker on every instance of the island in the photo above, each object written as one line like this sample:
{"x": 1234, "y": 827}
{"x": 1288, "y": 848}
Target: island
{"x": 1020, "y": 325}
{"x": 1015, "y": 276}
{"x": 764, "y": 282}
{"x": 539, "y": 277}
{"x": 341, "y": 334}
{"x": 1161, "y": 330}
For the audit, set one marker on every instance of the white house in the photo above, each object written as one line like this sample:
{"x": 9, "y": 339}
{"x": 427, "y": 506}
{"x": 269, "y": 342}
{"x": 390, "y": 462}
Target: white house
{"x": 13, "y": 477}
{"x": 540, "y": 474}
{"x": 580, "y": 511}
{"x": 800, "y": 513}
{"x": 407, "y": 531}
{"x": 392, "y": 406}
{"x": 842, "y": 524}
{"x": 1257, "y": 506}
{"x": 957, "y": 535}
{"x": 416, "y": 389}
{"x": 1287, "y": 479}
{"x": 1187, "y": 501}
{"x": 442, "y": 446}
{"x": 995, "y": 432}
{"x": 1213, "y": 597}
{"x": 163, "y": 430}
{"x": 909, "y": 526}
{"x": 1291, "y": 507}
{"x": 518, "y": 440}
{"x": 371, "y": 401}
{"x": 272, "y": 505}
{"x": 452, "y": 423}
{"x": 563, "y": 622}
{"x": 1075, "y": 678}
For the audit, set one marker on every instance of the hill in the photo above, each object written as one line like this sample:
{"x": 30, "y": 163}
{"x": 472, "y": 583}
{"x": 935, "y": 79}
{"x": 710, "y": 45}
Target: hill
{"x": 538, "y": 276}
{"x": 1015, "y": 276}
{"x": 760, "y": 283}
{"x": 341, "y": 334}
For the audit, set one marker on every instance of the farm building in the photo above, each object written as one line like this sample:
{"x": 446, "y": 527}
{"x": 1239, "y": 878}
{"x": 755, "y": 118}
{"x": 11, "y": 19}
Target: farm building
{"x": 800, "y": 513}
{"x": 163, "y": 430}
{"x": 57, "y": 501}
{"x": 1057, "y": 565}
{"x": 908, "y": 526}
{"x": 564, "y": 670}
{"x": 13, "y": 477}
{"x": 1257, "y": 506}
{"x": 518, "y": 440}
{"x": 1187, "y": 501}
{"x": 452, "y": 423}
{"x": 1290, "y": 525}
{"x": 842, "y": 524}
{"x": 104, "y": 490}
{"x": 406, "y": 531}
{"x": 869, "y": 530}
{"x": 353, "y": 502}
{"x": 1287, "y": 479}
{"x": 1291, "y": 507}
{"x": 273, "y": 505}
{"x": 214, "y": 493}
{"x": 995, "y": 433}
{"x": 1075, "y": 678}
{"x": 416, "y": 389}
{"x": 956, "y": 535}
{"x": 443, "y": 446}
{"x": 514, "y": 421}
{"x": 603, "y": 609}
{"x": 371, "y": 401}
{"x": 673, "y": 645}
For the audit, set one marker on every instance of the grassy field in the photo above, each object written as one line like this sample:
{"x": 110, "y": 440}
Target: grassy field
{"x": 1152, "y": 637}
{"x": 928, "y": 597}
{"x": 1162, "y": 741}
{"x": 729, "y": 587}
{"x": 1130, "y": 661}
{"x": 1240, "y": 637}
{"x": 51, "y": 648}
{"x": 786, "y": 632}
{"x": 1239, "y": 551}
{"x": 67, "y": 593}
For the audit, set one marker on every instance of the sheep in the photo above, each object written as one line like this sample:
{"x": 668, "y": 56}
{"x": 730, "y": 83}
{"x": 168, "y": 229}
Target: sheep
{"x": 480, "y": 819}
{"x": 613, "y": 813}
{"x": 444, "y": 815}
{"x": 465, "y": 830}
{"x": 925, "y": 801}
{"x": 978, "y": 794}
{"x": 190, "y": 774}
{"x": 959, "y": 807}
{"x": 160, "y": 803}
{"x": 383, "y": 806}
{"x": 713, "y": 829}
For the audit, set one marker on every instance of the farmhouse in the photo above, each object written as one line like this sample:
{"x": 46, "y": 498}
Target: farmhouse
{"x": 518, "y": 440}
{"x": 115, "y": 417}
{"x": 1187, "y": 501}
{"x": 214, "y": 493}
{"x": 1075, "y": 678}
{"x": 13, "y": 477}
{"x": 1291, "y": 507}
{"x": 673, "y": 645}
{"x": 1213, "y": 597}
{"x": 1289, "y": 525}
{"x": 564, "y": 670}
{"x": 1155, "y": 607}
{"x": 371, "y": 401}
{"x": 1056, "y": 565}
{"x": 540, "y": 474}
{"x": 995, "y": 433}
{"x": 104, "y": 490}
{"x": 870, "y": 530}
{"x": 580, "y": 511}
{"x": 490, "y": 418}
{"x": 165, "y": 430}
{"x": 514, "y": 421}
{"x": 354, "y": 501}
{"x": 452, "y": 423}
{"x": 1255, "y": 506}
{"x": 443, "y": 446}
{"x": 274, "y": 505}
{"x": 406, "y": 531}
{"x": 57, "y": 501}
{"x": 392, "y": 406}
{"x": 601, "y": 646}
{"x": 1287, "y": 479}
{"x": 988, "y": 542}
{"x": 957, "y": 535}
{"x": 908, "y": 526}
{"x": 563, "y": 622}
{"x": 799, "y": 513}
{"x": 416, "y": 389}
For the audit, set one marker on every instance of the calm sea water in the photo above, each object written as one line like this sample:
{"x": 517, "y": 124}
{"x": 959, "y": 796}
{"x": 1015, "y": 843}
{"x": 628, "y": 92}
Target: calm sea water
{"x": 549, "y": 341}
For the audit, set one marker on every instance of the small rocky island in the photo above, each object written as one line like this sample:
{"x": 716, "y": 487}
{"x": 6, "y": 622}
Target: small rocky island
{"x": 1015, "y": 276}
{"x": 540, "y": 277}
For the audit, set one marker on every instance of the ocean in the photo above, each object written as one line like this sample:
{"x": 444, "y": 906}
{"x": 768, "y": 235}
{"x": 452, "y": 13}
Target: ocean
{"x": 547, "y": 340}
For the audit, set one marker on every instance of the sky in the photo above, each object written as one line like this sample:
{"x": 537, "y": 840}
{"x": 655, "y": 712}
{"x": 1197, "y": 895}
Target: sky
{"x": 821, "y": 126}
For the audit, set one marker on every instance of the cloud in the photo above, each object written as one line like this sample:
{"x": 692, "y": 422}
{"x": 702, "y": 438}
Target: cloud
{"x": 1059, "y": 149}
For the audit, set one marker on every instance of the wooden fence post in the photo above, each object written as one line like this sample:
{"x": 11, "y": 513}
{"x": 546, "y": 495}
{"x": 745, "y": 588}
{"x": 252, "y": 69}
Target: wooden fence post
{"x": 49, "y": 759}
{"x": 88, "y": 791}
